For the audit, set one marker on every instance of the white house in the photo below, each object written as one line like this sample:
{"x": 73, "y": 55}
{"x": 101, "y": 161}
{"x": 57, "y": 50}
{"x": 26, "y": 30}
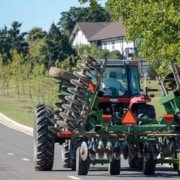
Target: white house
{"x": 108, "y": 35}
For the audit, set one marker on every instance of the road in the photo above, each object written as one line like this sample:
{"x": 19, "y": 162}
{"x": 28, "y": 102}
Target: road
{"x": 16, "y": 163}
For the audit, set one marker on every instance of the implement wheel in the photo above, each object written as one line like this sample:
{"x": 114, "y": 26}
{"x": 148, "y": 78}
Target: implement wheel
{"x": 81, "y": 166}
{"x": 74, "y": 144}
{"x": 114, "y": 166}
{"x": 149, "y": 165}
{"x": 43, "y": 138}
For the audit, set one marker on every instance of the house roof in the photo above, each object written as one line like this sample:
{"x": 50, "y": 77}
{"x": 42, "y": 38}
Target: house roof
{"x": 112, "y": 30}
{"x": 88, "y": 28}
{"x": 99, "y": 30}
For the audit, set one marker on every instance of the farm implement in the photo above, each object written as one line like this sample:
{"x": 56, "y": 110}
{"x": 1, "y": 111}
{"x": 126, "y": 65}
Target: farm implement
{"x": 97, "y": 122}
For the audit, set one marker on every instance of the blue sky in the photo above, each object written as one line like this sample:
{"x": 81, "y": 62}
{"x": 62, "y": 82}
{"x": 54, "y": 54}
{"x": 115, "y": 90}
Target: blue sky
{"x": 34, "y": 13}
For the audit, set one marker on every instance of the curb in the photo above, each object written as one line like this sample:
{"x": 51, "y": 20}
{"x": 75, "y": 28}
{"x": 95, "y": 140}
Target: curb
{"x": 14, "y": 125}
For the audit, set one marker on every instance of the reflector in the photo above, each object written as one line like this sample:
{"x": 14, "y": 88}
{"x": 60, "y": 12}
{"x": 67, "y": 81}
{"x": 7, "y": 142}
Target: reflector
{"x": 168, "y": 118}
{"x": 64, "y": 134}
{"x": 129, "y": 118}
{"x": 106, "y": 118}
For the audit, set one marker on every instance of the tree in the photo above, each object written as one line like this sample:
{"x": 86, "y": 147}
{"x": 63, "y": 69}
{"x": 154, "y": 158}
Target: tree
{"x": 68, "y": 19}
{"x": 12, "y": 39}
{"x": 98, "y": 52}
{"x": 155, "y": 23}
{"x": 17, "y": 39}
{"x": 35, "y": 34}
{"x": 36, "y": 40}
{"x": 56, "y": 47}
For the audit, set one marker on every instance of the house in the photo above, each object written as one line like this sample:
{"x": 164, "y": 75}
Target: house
{"x": 108, "y": 35}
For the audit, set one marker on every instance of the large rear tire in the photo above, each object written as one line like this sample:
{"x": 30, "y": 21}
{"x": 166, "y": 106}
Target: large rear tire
{"x": 43, "y": 138}
{"x": 146, "y": 111}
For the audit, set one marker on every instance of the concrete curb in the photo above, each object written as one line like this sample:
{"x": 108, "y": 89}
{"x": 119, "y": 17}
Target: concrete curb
{"x": 14, "y": 125}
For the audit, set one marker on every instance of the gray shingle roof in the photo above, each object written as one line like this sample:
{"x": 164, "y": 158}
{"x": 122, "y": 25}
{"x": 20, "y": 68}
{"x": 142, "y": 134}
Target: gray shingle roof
{"x": 112, "y": 30}
{"x": 99, "y": 30}
{"x": 91, "y": 28}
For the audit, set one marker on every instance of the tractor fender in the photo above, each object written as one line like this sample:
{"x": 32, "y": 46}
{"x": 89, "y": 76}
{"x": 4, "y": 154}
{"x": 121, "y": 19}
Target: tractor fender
{"x": 140, "y": 99}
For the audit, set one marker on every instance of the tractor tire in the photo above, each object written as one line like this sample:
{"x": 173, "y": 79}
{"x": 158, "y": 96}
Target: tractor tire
{"x": 66, "y": 154}
{"x": 146, "y": 111}
{"x": 81, "y": 166}
{"x": 61, "y": 74}
{"x": 114, "y": 167}
{"x": 44, "y": 139}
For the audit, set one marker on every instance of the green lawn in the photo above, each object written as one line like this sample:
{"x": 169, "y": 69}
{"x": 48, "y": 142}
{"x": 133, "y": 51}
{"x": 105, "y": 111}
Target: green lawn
{"x": 16, "y": 110}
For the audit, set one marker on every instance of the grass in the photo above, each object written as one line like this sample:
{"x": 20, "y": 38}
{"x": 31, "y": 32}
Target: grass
{"x": 16, "y": 110}
{"x": 18, "y": 100}
{"x": 19, "y": 108}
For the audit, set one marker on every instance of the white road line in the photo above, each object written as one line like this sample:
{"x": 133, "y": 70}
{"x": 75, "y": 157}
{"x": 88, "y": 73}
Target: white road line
{"x": 10, "y": 154}
{"x": 25, "y": 159}
{"x": 73, "y": 177}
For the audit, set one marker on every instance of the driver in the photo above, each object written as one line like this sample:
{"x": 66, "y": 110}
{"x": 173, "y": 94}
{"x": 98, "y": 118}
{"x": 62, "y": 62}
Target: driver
{"x": 112, "y": 82}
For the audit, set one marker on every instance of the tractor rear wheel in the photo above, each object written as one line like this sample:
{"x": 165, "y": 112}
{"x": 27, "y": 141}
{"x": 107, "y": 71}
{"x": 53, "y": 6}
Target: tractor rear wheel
{"x": 146, "y": 111}
{"x": 43, "y": 138}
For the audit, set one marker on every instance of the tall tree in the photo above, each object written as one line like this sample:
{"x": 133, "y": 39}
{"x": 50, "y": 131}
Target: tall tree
{"x": 12, "y": 39}
{"x": 35, "y": 34}
{"x": 56, "y": 47}
{"x": 17, "y": 39}
{"x": 5, "y": 46}
{"x": 68, "y": 19}
{"x": 156, "y": 23}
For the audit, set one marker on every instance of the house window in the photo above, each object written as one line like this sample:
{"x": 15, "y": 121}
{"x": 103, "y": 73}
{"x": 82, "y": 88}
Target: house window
{"x": 104, "y": 43}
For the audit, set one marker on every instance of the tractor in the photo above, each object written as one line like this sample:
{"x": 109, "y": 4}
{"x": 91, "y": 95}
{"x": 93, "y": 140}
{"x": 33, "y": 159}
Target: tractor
{"x": 99, "y": 121}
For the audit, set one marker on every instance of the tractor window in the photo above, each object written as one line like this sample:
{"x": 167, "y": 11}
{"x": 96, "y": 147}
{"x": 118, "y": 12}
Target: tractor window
{"x": 114, "y": 81}
{"x": 134, "y": 80}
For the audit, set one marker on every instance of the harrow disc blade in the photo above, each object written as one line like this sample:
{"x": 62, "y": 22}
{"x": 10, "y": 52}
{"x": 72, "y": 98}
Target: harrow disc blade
{"x": 70, "y": 108}
{"x": 66, "y": 116}
{"x": 76, "y": 92}
{"x": 73, "y": 100}
{"x": 78, "y": 83}
{"x": 82, "y": 75}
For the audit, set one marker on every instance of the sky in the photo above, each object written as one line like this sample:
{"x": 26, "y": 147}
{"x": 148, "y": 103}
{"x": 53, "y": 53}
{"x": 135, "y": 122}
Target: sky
{"x": 34, "y": 13}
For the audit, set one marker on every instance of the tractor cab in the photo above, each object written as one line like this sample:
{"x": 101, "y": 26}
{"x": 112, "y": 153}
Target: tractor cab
{"x": 120, "y": 79}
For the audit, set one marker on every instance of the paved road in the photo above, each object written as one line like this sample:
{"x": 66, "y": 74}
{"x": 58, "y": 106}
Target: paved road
{"x": 16, "y": 163}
